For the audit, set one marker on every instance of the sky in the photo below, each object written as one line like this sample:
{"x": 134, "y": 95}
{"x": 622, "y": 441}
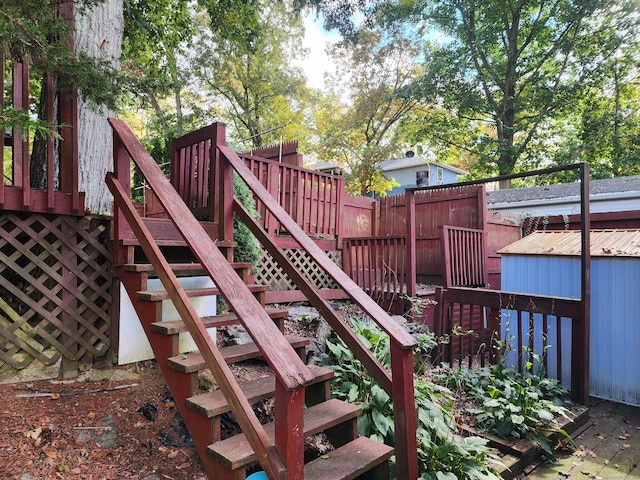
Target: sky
{"x": 315, "y": 40}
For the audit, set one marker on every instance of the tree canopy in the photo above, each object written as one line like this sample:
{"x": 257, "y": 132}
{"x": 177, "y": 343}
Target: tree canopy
{"x": 502, "y": 79}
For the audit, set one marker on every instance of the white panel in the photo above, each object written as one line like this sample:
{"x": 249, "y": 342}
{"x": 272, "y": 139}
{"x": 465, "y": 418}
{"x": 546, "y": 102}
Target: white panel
{"x": 134, "y": 346}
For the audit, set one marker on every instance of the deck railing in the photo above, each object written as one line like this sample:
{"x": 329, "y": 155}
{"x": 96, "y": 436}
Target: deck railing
{"x": 534, "y": 332}
{"x": 464, "y": 257}
{"x": 377, "y": 265}
{"x": 313, "y": 199}
{"x": 59, "y": 192}
{"x": 399, "y": 383}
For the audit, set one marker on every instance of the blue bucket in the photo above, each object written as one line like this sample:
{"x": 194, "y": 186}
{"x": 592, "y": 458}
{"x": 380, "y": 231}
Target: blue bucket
{"x": 258, "y": 476}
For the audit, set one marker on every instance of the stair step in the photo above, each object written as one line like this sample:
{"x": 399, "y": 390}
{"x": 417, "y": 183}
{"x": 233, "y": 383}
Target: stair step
{"x": 213, "y": 403}
{"x": 193, "y": 362}
{"x": 179, "y": 267}
{"x": 349, "y": 461}
{"x": 174, "y": 327}
{"x": 235, "y": 452}
{"x": 159, "y": 295}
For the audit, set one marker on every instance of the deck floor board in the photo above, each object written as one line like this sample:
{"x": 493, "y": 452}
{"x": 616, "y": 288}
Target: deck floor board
{"x": 608, "y": 448}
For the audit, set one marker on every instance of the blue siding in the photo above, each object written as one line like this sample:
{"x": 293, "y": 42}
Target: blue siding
{"x": 615, "y": 326}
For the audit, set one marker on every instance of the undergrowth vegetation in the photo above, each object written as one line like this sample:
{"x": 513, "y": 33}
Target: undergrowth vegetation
{"x": 497, "y": 399}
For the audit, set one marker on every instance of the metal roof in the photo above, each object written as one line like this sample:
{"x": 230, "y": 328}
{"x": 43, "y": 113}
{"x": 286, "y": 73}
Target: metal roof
{"x": 604, "y": 243}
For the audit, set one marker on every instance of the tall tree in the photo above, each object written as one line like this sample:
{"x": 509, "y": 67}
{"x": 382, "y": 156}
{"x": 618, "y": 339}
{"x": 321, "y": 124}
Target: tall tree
{"x": 245, "y": 61}
{"x": 157, "y": 38}
{"x": 37, "y": 33}
{"x": 372, "y": 75}
{"x": 505, "y": 69}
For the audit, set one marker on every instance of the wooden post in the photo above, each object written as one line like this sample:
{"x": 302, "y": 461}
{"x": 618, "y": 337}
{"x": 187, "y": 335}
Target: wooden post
{"x": 224, "y": 186}
{"x": 2, "y": 60}
{"x": 289, "y": 429}
{"x": 404, "y": 412}
{"x": 581, "y": 336}
{"x": 122, "y": 171}
{"x": 68, "y": 107}
{"x": 410, "y": 216}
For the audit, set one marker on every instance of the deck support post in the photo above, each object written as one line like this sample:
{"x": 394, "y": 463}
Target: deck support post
{"x": 404, "y": 412}
{"x": 289, "y": 429}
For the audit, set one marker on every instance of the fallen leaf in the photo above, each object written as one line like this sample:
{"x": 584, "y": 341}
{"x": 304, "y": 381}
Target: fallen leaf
{"x": 51, "y": 453}
{"x": 97, "y": 454}
{"x": 33, "y": 433}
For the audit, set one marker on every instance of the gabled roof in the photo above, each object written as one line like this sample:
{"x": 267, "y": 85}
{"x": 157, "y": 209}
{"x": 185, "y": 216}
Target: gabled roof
{"x": 406, "y": 162}
{"x": 564, "y": 190}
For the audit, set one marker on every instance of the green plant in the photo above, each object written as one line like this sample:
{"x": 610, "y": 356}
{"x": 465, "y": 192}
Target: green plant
{"x": 441, "y": 453}
{"x": 246, "y": 249}
{"x": 511, "y": 404}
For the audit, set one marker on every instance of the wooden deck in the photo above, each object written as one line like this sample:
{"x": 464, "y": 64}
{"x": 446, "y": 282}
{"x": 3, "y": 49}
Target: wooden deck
{"x": 607, "y": 447}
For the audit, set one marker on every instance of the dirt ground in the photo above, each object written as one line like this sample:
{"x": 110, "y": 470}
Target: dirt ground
{"x": 106, "y": 429}
{"x": 124, "y": 426}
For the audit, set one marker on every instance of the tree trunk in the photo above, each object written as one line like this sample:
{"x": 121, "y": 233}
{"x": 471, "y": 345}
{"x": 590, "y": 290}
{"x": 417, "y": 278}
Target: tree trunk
{"x": 98, "y": 34}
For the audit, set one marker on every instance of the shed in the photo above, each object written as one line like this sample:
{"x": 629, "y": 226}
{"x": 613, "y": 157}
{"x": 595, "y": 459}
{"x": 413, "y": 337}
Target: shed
{"x": 548, "y": 263}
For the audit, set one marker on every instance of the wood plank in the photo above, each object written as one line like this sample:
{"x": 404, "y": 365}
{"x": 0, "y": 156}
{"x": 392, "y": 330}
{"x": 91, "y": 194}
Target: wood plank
{"x": 175, "y": 327}
{"x": 160, "y": 295}
{"x": 349, "y": 461}
{"x": 194, "y": 362}
{"x": 235, "y": 452}
{"x": 213, "y": 403}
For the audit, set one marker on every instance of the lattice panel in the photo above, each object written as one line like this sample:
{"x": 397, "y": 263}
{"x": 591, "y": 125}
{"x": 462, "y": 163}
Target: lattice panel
{"x": 55, "y": 288}
{"x": 273, "y": 275}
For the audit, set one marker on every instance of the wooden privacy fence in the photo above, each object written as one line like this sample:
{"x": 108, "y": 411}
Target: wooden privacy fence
{"x": 377, "y": 265}
{"x": 55, "y": 280}
{"x": 530, "y": 329}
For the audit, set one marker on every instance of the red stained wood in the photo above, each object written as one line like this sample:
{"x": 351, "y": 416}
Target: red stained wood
{"x": 461, "y": 307}
{"x": 289, "y": 429}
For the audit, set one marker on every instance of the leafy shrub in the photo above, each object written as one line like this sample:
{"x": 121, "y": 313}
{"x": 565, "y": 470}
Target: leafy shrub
{"x": 442, "y": 455}
{"x": 511, "y": 404}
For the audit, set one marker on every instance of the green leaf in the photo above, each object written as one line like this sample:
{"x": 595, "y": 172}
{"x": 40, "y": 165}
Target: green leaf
{"x": 381, "y": 422}
{"x": 492, "y": 402}
{"x": 379, "y": 396}
{"x": 517, "y": 419}
{"x": 446, "y": 476}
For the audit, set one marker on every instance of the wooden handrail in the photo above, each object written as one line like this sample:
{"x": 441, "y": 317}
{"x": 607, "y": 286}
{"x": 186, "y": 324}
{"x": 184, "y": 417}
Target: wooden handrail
{"x": 496, "y": 302}
{"x": 313, "y": 294}
{"x": 401, "y": 342}
{"x": 291, "y": 373}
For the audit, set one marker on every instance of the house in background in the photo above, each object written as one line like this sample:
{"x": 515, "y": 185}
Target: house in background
{"x": 412, "y": 171}
{"x": 606, "y": 195}
{"x": 327, "y": 167}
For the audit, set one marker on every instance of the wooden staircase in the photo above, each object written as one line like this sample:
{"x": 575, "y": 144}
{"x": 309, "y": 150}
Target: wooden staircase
{"x": 202, "y": 411}
{"x": 302, "y": 403}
